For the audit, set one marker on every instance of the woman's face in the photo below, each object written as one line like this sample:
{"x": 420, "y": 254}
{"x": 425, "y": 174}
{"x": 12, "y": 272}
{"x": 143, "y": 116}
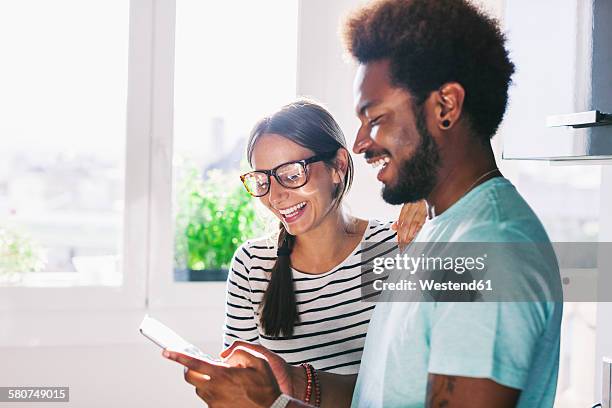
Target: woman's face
{"x": 304, "y": 208}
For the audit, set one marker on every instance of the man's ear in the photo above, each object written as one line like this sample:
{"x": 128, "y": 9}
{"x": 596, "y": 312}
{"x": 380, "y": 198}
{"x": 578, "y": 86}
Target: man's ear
{"x": 448, "y": 105}
{"x": 341, "y": 165}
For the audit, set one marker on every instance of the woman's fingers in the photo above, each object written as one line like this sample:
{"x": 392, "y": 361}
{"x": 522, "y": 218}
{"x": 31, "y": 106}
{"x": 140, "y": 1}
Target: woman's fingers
{"x": 411, "y": 219}
{"x": 420, "y": 215}
{"x": 415, "y": 227}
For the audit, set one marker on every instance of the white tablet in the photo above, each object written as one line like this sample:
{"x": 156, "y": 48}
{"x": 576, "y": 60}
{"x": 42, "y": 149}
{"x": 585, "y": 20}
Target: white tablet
{"x": 167, "y": 338}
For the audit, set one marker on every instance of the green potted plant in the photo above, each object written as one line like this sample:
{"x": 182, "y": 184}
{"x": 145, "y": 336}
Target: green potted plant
{"x": 19, "y": 254}
{"x": 213, "y": 216}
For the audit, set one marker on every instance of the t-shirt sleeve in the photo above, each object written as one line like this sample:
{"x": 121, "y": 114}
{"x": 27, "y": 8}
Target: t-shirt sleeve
{"x": 497, "y": 340}
{"x": 487, "y": 340}
{"x": 240, "y": 323}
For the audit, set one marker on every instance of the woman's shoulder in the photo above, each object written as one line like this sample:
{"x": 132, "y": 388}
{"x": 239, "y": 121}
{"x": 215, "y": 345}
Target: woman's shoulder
{"x": 257, "y": 248}
{"x": 379, "y": 230}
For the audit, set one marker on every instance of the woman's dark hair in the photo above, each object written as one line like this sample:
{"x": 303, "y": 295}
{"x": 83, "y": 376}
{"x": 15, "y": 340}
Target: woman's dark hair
{"x": 432, "y": 42}
{"x": 309, "y": 125}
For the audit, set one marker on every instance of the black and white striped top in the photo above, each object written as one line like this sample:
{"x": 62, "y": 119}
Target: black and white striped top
{"x": 333, "y": 316}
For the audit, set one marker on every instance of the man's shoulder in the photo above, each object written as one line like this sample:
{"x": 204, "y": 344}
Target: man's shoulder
{"x": 501, "y": 214}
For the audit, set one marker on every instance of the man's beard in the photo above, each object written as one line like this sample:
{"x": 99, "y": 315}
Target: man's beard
{"x": 417, "y": 175}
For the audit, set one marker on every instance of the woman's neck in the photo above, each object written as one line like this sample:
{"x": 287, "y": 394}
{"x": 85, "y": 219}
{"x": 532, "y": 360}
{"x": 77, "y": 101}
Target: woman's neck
{"x": 331, "y": 241}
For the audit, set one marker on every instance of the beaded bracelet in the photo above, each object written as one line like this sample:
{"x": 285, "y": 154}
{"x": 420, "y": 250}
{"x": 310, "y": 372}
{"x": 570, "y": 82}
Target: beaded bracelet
{"x": 312, "y": 384}
{"x": 308, "y": 392}
{"x": 317, "y": 388}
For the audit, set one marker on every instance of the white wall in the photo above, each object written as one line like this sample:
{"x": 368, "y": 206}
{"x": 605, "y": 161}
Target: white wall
{"x": 327, "y": 77}
{"x": 128, "y": 371}
{"x": 120, "y": 369}
{"x": 604, "y": 310}
{"x": 122, "y": 375}
{"x": 326, "y": 74}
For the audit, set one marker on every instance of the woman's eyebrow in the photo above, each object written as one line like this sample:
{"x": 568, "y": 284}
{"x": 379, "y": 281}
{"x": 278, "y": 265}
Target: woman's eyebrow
{"x": 278, "y": 165}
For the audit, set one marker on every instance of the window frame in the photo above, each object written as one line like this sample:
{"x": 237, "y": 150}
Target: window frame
{"x": 163, "y": 291}
{"x": 94, "y": 315}
{"x": 89, "y": 313}
{"x": 50, "y": 316}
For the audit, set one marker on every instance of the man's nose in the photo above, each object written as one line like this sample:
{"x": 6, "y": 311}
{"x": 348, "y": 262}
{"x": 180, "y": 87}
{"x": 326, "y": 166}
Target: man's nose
{"x": 362, "y": 142}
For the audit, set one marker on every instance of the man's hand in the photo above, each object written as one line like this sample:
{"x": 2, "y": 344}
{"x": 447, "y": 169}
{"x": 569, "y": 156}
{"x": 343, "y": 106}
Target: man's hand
{"x": 462, "y": 392}
{"x": 253, "y": 376}
{"x": 248, "y": 380}
{"x": 283, "y": 372}
{"x": 336, "y": 389}
{"x": 410, "y": 221}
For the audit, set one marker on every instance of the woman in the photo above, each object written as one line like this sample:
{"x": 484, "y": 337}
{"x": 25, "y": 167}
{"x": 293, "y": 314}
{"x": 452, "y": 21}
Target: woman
{"x": 299, "y": 294}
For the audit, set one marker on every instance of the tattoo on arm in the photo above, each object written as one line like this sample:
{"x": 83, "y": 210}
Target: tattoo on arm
{"x": 440, "y": 391}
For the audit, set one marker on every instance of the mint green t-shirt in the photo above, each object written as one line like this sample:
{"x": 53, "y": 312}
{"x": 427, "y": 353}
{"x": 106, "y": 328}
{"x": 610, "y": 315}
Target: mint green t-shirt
{"x": 515, "y": 344}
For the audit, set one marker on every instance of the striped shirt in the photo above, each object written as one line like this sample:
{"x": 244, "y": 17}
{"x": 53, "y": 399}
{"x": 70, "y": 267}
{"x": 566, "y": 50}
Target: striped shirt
{"x": 333, "y": 316}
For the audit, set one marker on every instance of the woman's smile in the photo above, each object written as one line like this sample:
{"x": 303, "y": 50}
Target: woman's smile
{"x": 291, "y": 214}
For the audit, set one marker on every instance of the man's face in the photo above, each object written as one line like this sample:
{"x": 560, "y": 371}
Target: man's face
{"x": 393, "y": 137}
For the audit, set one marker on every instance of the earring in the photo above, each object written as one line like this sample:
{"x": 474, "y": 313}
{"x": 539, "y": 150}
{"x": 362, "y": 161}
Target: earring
{"x": 446, "y": 123}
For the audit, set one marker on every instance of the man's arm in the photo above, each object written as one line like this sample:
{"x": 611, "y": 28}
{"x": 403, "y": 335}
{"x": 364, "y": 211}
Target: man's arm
{"x": 336, "y": 389}
{"x": 445, "y": 391}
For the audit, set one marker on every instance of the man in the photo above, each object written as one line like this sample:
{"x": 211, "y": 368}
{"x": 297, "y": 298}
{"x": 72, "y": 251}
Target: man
{"x": 430, "y": 92}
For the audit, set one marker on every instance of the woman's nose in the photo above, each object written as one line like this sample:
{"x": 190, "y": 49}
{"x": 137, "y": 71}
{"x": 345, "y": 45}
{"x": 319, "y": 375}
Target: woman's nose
{"x": 277, "y": 192}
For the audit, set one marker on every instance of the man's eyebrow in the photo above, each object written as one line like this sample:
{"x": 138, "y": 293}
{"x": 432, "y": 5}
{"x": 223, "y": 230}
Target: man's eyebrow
{"x": 366, "y": 105}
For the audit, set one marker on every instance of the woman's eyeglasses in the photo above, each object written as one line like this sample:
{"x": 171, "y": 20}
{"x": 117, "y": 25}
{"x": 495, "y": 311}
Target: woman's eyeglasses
{"x": 290, "y": 175}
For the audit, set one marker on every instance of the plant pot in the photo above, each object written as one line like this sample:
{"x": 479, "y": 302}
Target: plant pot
{"x": 205, "y": 275}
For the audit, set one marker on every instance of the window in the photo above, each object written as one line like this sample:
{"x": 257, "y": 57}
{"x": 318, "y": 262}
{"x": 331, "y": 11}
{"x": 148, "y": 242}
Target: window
{"x": 221, "y": 89}
{"x": 565, "y": 197}
{"x": 63, "y": 104}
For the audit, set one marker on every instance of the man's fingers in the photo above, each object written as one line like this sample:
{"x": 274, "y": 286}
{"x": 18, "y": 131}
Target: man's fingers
{"x": 204, "y": 394}
{"x": 243, "y": 357}
{"x": 231, "y": 348}
{"x": 192, "y": 363}
{"x": 195, "y": 378}
{"x": 249, "y": 346}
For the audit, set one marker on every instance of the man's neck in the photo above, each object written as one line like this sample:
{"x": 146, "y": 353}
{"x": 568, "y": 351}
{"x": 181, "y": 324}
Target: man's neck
{"x": 463, "y": 171}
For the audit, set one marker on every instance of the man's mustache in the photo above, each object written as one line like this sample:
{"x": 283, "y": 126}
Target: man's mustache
{"x": 375, "y": 153}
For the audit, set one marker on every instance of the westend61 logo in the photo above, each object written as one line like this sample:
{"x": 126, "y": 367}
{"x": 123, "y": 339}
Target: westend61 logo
{"x": 412, "y": 264}
{"x": 486, "y": 272}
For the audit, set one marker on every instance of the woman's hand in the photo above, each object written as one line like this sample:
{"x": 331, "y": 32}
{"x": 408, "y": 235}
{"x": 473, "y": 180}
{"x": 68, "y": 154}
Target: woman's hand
{"x": 411, "y": 220}
{"x": 245, "y": 379}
